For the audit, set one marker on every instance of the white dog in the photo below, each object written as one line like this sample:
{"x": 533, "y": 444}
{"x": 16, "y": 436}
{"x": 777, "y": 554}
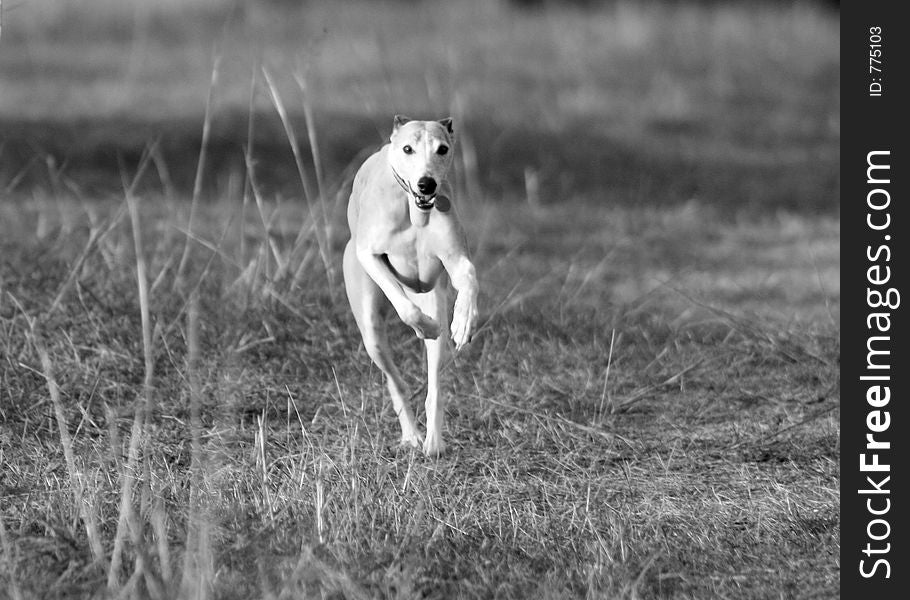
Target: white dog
{"x": 406, "y": 245}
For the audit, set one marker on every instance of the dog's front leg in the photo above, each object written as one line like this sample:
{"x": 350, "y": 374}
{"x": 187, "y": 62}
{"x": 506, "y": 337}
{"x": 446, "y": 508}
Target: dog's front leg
{"x": 464, "y": 280}
{"x": 435, "y": 303}
{"x": 423, "y": 325}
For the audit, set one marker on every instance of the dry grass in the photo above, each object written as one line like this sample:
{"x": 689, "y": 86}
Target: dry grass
{"x": 703, "y": 464}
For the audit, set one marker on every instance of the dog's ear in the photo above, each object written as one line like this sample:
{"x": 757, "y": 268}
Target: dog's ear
{"x": 398, "y": 121}
{"x": 447, "y": 123}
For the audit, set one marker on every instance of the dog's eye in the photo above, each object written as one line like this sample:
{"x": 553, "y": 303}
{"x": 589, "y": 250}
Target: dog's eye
{"x": 442, "y": 150}
{"x": 408, "y": 150}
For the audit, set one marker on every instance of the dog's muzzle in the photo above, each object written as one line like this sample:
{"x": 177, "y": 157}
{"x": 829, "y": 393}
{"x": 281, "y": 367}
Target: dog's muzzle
{"x": 423, "y": 201}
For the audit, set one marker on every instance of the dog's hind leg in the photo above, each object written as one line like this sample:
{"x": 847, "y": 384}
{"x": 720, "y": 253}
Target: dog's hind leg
{"x": 435, "y": 303}
{"x": 366, "y": 300}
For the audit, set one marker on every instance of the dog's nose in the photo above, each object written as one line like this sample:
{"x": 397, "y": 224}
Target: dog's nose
{"x": 426, "y": 185}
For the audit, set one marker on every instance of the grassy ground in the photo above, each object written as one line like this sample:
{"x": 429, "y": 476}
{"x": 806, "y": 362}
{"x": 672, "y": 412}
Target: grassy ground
{"x": 623, "y": 425}
{"x": 649, "y": 411}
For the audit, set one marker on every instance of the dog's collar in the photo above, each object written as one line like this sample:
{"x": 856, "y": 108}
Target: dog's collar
{"x": 423, "y": 202}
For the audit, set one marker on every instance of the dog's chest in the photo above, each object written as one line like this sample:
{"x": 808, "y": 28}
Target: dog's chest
{"x": 411, "y": 259}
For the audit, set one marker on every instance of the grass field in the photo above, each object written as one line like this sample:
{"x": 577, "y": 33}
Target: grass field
{"x": 650, "y": 409}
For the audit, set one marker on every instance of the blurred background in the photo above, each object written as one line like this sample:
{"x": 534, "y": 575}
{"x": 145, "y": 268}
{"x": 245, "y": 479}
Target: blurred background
{"x": 731, "y": 105}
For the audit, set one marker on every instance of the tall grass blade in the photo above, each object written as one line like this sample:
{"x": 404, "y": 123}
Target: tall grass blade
{"x": 76, "y": 479}
{"x": 128, "y": 475}
{"x": 200, "y": 167}
{"x": 308, "y": 191}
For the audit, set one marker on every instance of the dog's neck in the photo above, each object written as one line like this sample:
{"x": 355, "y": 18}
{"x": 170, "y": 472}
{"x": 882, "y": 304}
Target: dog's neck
{"x": 419, "y": 218}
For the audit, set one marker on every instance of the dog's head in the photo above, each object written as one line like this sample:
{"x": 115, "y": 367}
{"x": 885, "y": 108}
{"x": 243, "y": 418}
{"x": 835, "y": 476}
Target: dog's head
{"x": 420, "y": 156}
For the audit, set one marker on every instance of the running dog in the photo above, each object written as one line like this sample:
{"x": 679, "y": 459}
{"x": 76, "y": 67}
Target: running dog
{"x": 406, "y": 249}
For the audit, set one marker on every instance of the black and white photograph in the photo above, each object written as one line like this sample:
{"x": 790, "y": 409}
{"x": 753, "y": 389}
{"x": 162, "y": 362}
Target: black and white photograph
{"x": 400, "y": 299}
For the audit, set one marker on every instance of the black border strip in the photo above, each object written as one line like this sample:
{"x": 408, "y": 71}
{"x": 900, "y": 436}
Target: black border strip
{"x": 870, "y": 123}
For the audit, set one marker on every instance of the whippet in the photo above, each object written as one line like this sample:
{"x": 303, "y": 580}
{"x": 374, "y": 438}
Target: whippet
{"x": 406, "y": 247}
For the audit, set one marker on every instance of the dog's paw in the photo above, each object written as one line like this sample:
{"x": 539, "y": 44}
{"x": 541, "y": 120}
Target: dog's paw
{"x": 424, "y": 326}
{"x": 434, "y": 447}
{"x": 411, "y": 440}
{"x": 464, "y": 320}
